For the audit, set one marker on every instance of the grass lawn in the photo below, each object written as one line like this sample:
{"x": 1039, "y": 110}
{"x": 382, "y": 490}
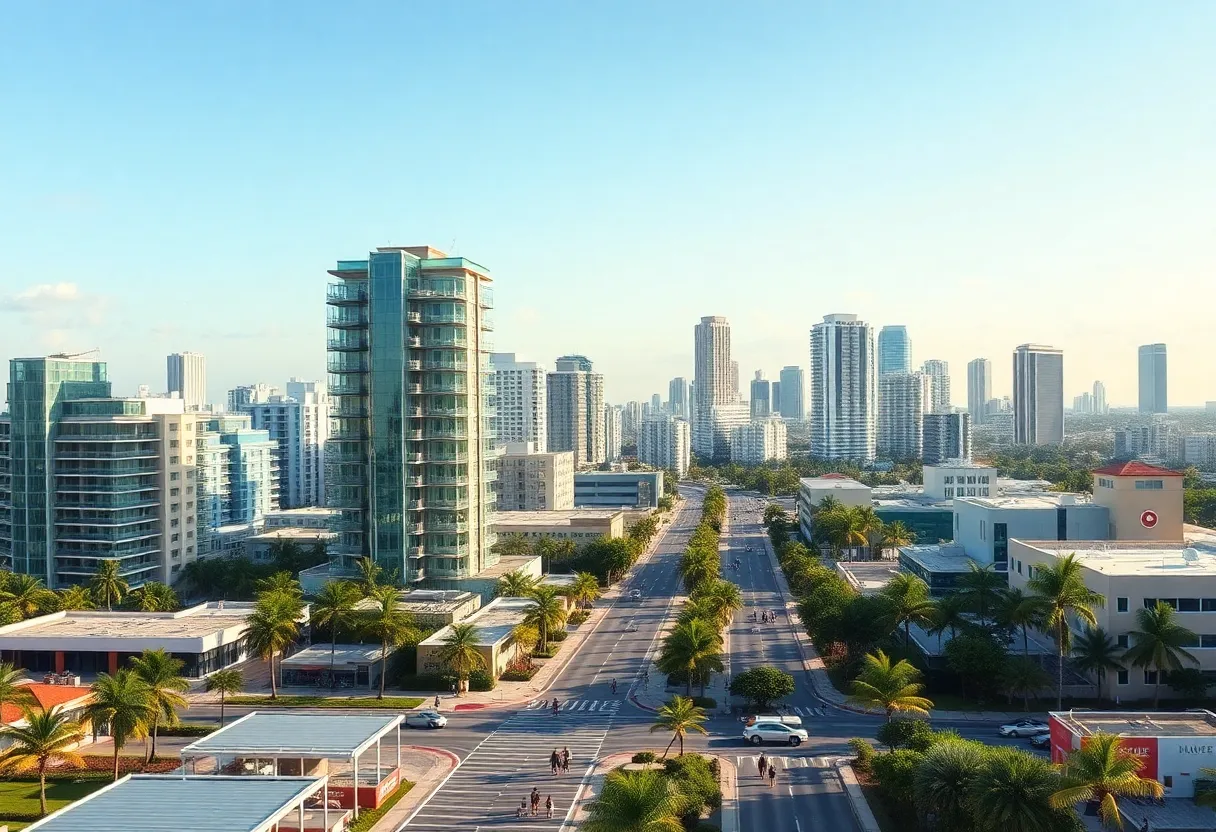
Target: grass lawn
{"x": 19, "y": 798}
{"x": 389, "y": 703}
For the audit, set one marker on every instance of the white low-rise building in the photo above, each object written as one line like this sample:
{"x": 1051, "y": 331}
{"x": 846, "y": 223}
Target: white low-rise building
{"x": 959, "y": 478}
{"x": 1199, "y": 449}
{"x": 812, "y": 490}
{"x": 531, "y": 481}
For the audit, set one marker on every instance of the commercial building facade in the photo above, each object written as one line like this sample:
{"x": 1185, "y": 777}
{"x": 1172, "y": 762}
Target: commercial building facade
{"x": 530, "y": 481}
{"x": 298, "y": 424}
{"x": 723, "y": 420}
{"x": 761, "y": 396}
{"x": 894, "y": 350}
{"x": 613, "y": 432}
{"x": 758, "y": 442}
{"x": 579, "y": 525}
{"x": 678, "y": 399}
{"x": 938, "y": 372}
{"x": 793, "y": 393}
{"x": 409, "y": 366}
{"x": 712, "y": 378}
{"x": 617, "y": 489}
{"x": 946, "y": 436}
{"x": 843, "y": 389}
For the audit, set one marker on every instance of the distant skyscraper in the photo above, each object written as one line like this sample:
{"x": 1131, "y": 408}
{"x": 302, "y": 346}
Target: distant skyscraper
{"x": 612, "y": 432}
{"x": 677, "y": 397}
{"x": 946, "y": 436}
{"x": 523, "y": 407}
{"x": 979, "y": 389}
{"x": 656, "y": 403}
{"x": 631, "y": 421}
{"x": 1083, "y": 404}
{"x": 734, "y": 380}
{"x": 761, "y": 396}
{"x": 1100, "y": 406}
{"x": 939, "y": 383}
{"x": 894, "y": 350}
{"x": 843, "y": 389}
{"x": 663, "y": 442}
{"x": 247, "y": 394}
{"x": 712, "y": 377}
{"x": 903, "y": 402}
{"x": 774, "y": 395}
{"x": 187, "y": 376}
{"x": 298, "y": 424}
{"x": 793, "y": 393}
{"x": 576, "y": 414}
{"x": 574, "y": 364}
{"x": 1038, "y": 395}
{"x": 1153, "y": 387}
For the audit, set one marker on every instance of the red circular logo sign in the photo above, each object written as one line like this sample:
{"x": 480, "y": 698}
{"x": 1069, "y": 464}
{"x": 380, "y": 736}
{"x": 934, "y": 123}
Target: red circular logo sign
{"x": 1148, "y": 519}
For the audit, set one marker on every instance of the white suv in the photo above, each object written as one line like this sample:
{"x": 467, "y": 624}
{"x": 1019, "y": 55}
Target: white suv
{"x": 763, "y": 732}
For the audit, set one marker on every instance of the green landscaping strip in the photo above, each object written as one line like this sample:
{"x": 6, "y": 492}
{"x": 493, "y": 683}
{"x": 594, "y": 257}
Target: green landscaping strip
{"x": 19, "y": 798}
{"x": 388, "y": 703}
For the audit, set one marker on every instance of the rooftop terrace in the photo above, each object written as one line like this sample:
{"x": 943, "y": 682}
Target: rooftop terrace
{"x": 1140, "y": 724}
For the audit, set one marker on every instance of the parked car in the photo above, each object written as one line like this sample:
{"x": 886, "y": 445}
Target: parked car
{"x": 1041, "y": 740}
{"x": 763, "y": 732}
{"x": 425, "y": 719}
{"x": 1023, "y": 728}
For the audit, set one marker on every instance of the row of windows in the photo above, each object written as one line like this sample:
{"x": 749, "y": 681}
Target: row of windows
{"x": 1150, "y": 485}
{"x": 971, "y": 480}
{"x": 1105, "y": 483}
{"x": 971, "y": 492}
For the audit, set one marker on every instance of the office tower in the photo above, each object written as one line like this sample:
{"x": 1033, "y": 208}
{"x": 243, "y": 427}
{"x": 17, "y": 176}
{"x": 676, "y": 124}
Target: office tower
{"x": 613, "y": 441}
{"x": 894, "y": 350}
{"x": 723, "y": 419}
{"x": 87, "y": 477}
{"x": 532, "y": 481}
{"x": 734, "y": 380}
{"x": 1153, "y": 381}
{"x": 574, "y": 364}
{"x": 843, "y": 389}
{"x": 939, "y": 385}
{"x": 631, "y": 420}
{"x": 656, "y": 403}
{"x": 1100, "y": 406}
{"x": 758, "y": 442}
{"x": 576, "y": 414}
{"x": 298, "y": 423}
{"x": 946, "y": 436}
{"x": 712, "y": 377}
{"x": 903, "y": 401}
{"x": 774, "y": 408}
{"x": 522, "y": 408}
{"x": 979, "y": 389}
{"x": 664, "y": 442}
{"x": 411, "y": 454}
{"x": 1083, "y": 404}
{"x": 761, "y": 394}
{"x": 187, "y": 375}
{"x": 1038, "y": 395}
{"x": 240, "y": 397}
{"x": 793, "y": 393}
{"x": 677, "y": 397}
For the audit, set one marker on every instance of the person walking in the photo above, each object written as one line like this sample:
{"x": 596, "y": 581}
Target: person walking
{"x": 555, "y": 761}
{"x": 549, "y": 806}
{"x": 614, "y": 687}
{"x": 556, "y": 706}
{"x": 772, "y": 774}
{"x": 436, "y": 701}
{"x": 763, "y": 766}
{"x": 565, "y": 759}
{"x": 535, "y": 801}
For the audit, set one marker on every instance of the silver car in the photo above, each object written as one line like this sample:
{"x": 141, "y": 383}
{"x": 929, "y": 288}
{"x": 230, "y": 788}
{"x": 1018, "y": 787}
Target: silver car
{"x": 425, "y": 719}
{"x": 763, "y": 732}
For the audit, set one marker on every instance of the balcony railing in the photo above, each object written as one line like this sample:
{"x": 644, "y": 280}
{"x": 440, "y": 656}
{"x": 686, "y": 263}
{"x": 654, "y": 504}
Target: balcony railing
{"x": 346, "y": 293}
{"x": 65, "y": 454}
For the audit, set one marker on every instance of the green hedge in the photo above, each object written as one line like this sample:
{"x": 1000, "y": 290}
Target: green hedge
{"x": 706, "y": 702}
{"x": 519, "y": 675}
{"x": 480, "y": 680}
{"x": 187, "y": 730}
{"x": 556, "y": 636}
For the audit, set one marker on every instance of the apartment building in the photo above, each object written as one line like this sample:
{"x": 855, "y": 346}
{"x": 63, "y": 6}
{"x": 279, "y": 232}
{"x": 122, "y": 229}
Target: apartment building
{"x": 758, "y": 442}
{"x": 666, "y": 442}
{"x": 535, "y": 481}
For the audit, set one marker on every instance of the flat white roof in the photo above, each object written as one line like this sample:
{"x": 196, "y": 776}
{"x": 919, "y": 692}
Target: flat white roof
{"x": 1027, "y": 501}
{"x": 1195, "y": 723}
{"x": 553, "y": 518}
{"x": 288, "y": 734}
{"x": 833, "y": 482}
{"x": 126, "y": 631}
{"x": 293, "y": 533}
{"x": 1128, "y": 558}
{"x": 319, "y": 655}
{"x": 203, "y": 803}
{"x": 938, "y": 557}
{"x": 494, "y": 621}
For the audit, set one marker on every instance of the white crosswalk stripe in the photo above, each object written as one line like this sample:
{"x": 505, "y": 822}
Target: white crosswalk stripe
{"x": 748, "y": 764}
{"x": 583, "y": 705}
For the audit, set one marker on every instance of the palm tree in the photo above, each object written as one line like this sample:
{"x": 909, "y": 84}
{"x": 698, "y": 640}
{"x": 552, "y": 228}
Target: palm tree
{"x": 26, "y": 595}
{"x": 1016, "y": 609}
{"x": 161, "y": 673}
{"x": 549, "y": 611}
{"x": 1101, "y": 771}
{"x": 981, "y": 586}
{"x": 76, "y": 597}
{"x": 942, "y": 779}
{"x": 1064, "y": 593}
{"x": 722, "y": 598}
{"x": 281, "y": 582}
{"x": 1024, "y": 677}
{"x": 226, "y": 683}
{"x": 459, "y": 652}
{"x": 909, "y": 600}
{"x": 697, "y": 567}
{"x": 636, "y": 801}
{"x": 585, "y": 589}
{"x": 949, "y": 613}
{"x": 272, "y": 627}
{"x": 47, "y": 738}
{"x": 699, "y": 609}
{"x": 889, "y": 687}
{"x": 124, "y": 704}
{"x": 693, "y": 648}
{"x": 155, "y": 597}
{"x": 895, "y": 535}
{"x": 370, "y": 575}
{"x": 525, "y": 637}
{"x": 108, "y": 585}
{"x": 334, "y": 609}
{"x": 1160, "y": 642}
{"x": 515, "y": 584}
{"x": 390, "y": 624}
{"x": 1096, "y": 652}
{"x": 868, "y": 524}
{"x": 13, "y": 687}
{"x": 1011, "y": 792}
{"x": 679, "y": 716}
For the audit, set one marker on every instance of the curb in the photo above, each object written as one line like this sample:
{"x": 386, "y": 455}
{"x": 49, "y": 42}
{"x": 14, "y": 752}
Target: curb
{"x": 862, "y": 813}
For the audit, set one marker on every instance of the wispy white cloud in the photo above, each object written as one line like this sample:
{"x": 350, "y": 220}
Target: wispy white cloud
{"x": 44, "y": 296}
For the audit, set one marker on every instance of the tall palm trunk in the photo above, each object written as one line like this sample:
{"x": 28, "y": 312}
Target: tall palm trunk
{"x": 333, "y": 649}
{"x": 274, "y": 688}
{"x": 115, "y": 758}
{"x": 1025, "y": 643}
{"x": 383, "y": 670}
{"x": 1060, "y": 666}
{"x": 42, "y": 786}
{"x": 221, "y": 709}
{"x": 155, "y": 730}
{"x": 1157, "y": 691}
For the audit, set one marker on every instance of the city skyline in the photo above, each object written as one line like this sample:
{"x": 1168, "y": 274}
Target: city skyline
{"x": 993, "y": 162}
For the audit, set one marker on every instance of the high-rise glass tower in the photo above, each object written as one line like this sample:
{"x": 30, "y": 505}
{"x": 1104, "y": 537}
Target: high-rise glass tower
{"x": 677, "y": 397}
{"x": 1038, "y": 395}
{"x": 938, "y": 372}
{"x": 576, "y": 414}
{"x": 712, "y": 377}
{"x": 843, "y": 389}
{"x": 793, "y": 393}
{"x": 894, "y": 350}
{"x": 979, "y": 388}
{"x": 411, "y": 456}
{"x": 187, "y": 376}
{"x": 1153, "y": 382}
{"x": 761, "y": 396}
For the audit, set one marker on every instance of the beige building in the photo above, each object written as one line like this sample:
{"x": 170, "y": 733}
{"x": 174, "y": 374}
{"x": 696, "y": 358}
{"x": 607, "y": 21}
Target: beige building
{"x": 494, "y": 623}
{"x": 1145, "y": 501}
{"x": 530, "y": 481}
{"x": 579, "y": 525}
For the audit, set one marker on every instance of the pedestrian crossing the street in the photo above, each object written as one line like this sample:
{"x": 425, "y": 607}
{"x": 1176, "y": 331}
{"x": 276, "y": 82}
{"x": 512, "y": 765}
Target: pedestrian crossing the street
{"x": 749, "y": 764}
{"x": 576, "y": 705}
{"x": 487, "y": 787}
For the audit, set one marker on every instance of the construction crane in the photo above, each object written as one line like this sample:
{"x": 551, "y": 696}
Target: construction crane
{"x": 70, "y": 355}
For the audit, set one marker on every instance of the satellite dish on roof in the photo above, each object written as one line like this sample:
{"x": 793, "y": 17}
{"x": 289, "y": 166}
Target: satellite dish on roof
{"x": 1190, "y": 555}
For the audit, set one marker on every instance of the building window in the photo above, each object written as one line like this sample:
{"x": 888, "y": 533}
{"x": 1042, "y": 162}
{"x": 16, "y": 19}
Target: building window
{"x": 173, "y": 492}
{"x": 1168, "y": 781}
{"x": 172, "y": 460}
{"x": 1121, "y": 677}
{"x": 172, "y": 428}
{"x": 172, "y": 443}
{"x": 1207, "y": 642}
{"x": 1121, "y": 604}
{"x": 1150, "y": 485}
{"x": 1061, "y": 524}
{"x": 1121, "y": 640}
{"x": 1188, "y": 605}
{"x": 173, "y": 476}
{"x": 1150, "y": 677}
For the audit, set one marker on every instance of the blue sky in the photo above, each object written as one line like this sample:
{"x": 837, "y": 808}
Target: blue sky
{"x": 178, "y": 176}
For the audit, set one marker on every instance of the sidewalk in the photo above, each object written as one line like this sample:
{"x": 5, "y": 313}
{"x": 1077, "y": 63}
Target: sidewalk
{"x": 426, "y": 768}
{"x": 821, "y": 683}
{"x": 727, "y": 780}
